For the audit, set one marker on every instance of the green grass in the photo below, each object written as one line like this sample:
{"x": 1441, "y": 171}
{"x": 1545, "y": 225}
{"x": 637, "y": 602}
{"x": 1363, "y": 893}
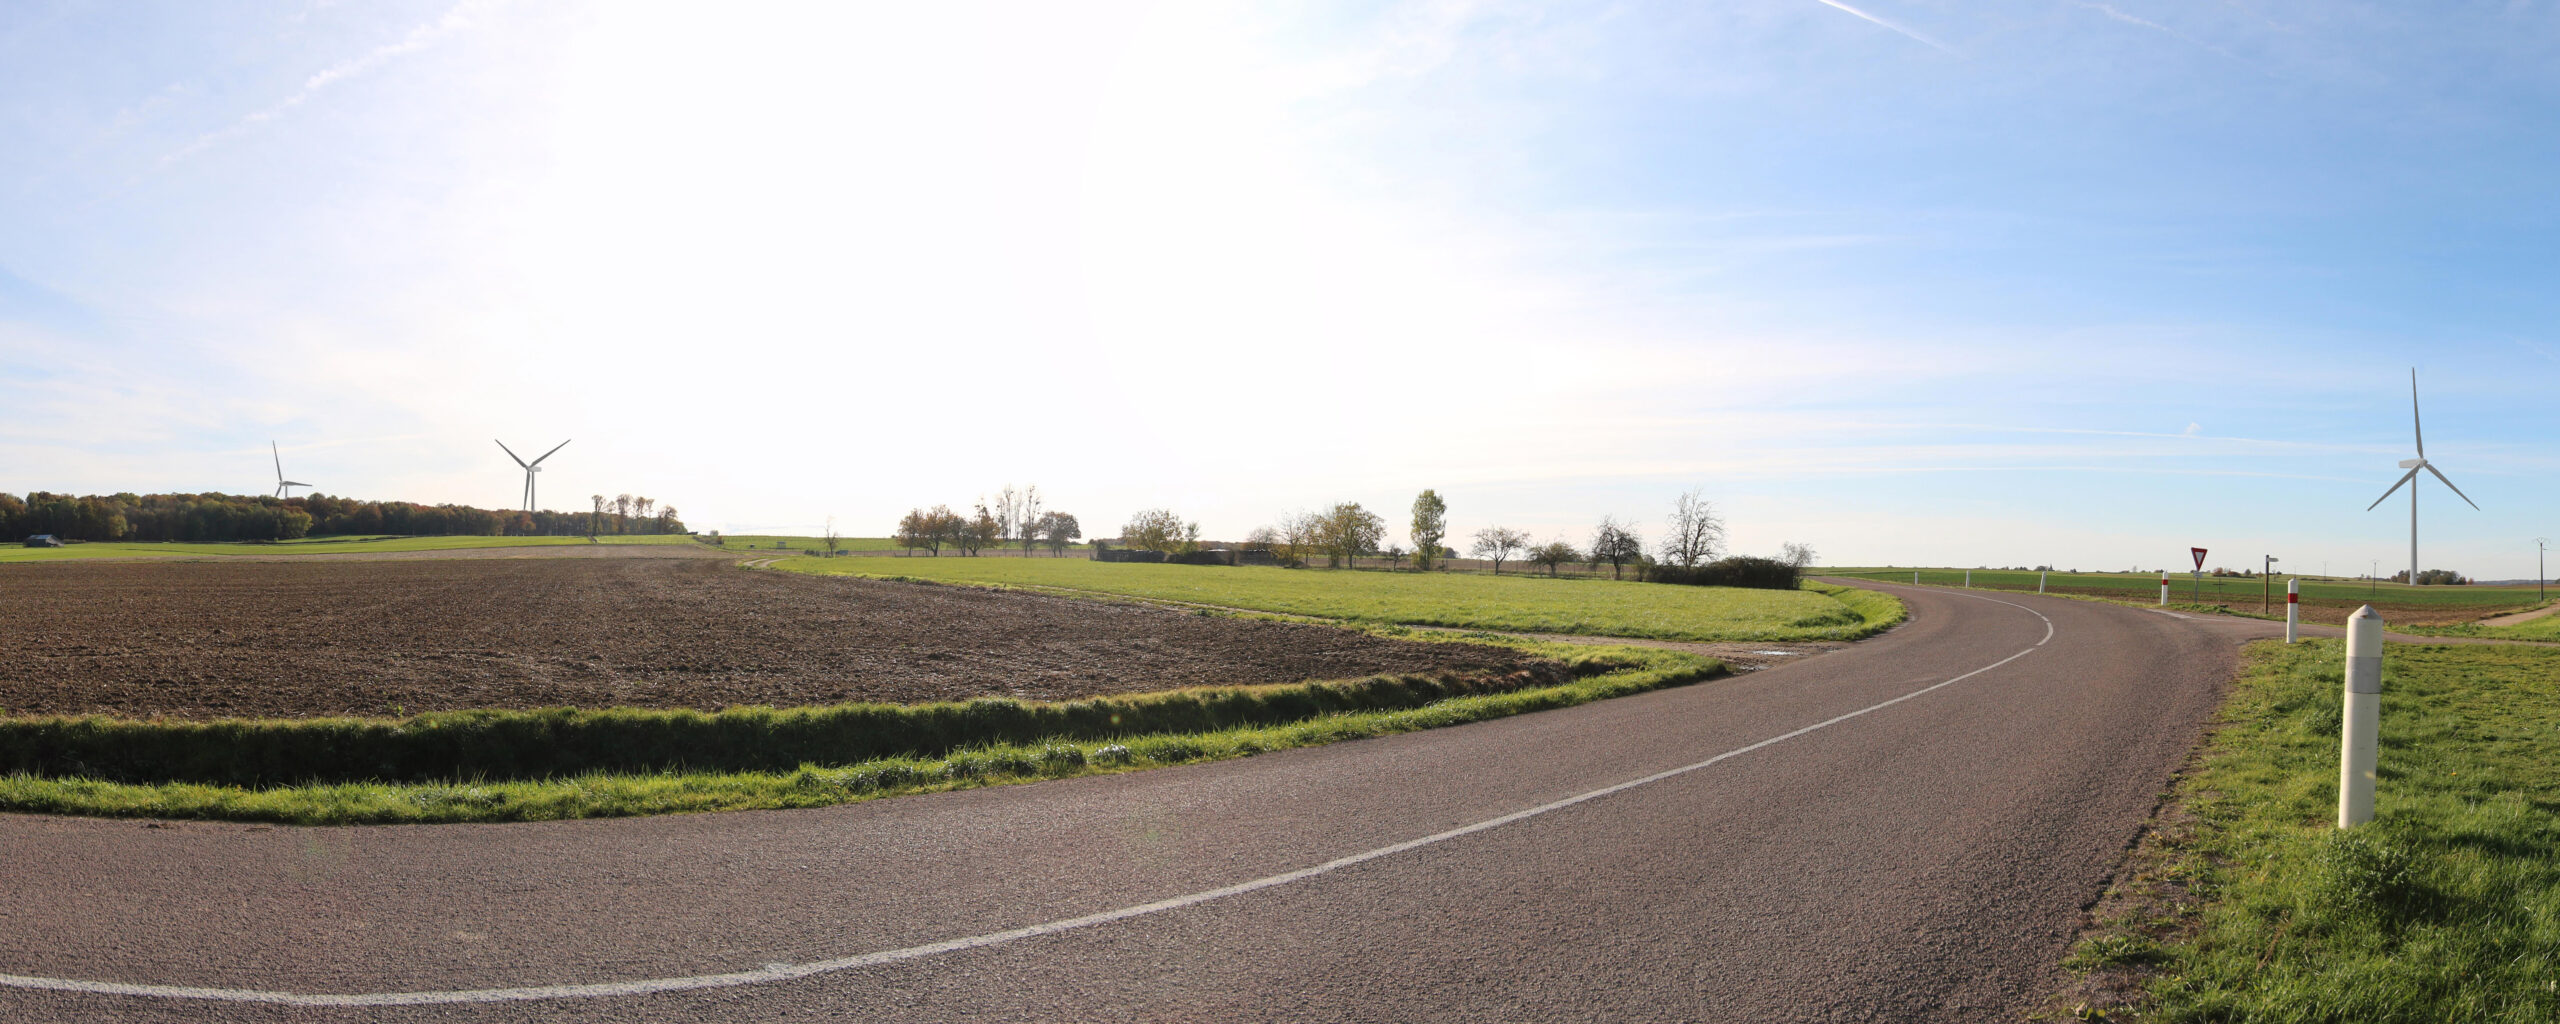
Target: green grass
{"x": 2445, "y": 908}
{"x": 1144, "y": 739}
{"x": 306, "y": 546}
{"x": 787, "y": 542}
{"x": 2545, "y": 629}
{"x": 1507, "y": 603}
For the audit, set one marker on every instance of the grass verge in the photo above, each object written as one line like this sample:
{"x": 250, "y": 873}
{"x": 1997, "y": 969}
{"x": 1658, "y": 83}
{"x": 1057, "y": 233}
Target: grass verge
{"x": 1019, "y": 741}
{"x": 2242, "y": 902}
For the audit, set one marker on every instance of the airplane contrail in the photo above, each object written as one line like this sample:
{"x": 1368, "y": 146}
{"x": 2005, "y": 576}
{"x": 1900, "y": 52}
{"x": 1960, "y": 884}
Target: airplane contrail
{"x": 1941, "y": 47}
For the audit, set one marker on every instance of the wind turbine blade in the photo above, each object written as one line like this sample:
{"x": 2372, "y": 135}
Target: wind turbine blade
{"x": 2394, "y": 487}
{"x": 554, "y": 448}
{"x": 511, "y": 453}
{"x": 2414, "y": 426}
{"x": 2431, "y": 467}
{"x": 271, "y": 450}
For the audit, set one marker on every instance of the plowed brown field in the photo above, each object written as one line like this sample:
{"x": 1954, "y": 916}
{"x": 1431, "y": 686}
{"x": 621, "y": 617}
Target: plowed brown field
{"x": 293, "y": 639}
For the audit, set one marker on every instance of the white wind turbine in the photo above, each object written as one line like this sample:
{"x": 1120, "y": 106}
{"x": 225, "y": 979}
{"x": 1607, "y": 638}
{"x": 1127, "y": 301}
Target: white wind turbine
{"x": 281, "y": 482}
{"x": 2413, "y": 466}
{"x": 530, "y": 468}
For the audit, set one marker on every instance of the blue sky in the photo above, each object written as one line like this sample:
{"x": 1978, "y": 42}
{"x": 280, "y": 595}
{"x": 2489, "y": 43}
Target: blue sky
{"x": 1982, "y": 283}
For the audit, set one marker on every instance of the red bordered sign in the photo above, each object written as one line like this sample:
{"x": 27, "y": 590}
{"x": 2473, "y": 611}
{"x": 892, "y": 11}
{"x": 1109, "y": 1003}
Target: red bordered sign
{"x": 2199, "y": 553}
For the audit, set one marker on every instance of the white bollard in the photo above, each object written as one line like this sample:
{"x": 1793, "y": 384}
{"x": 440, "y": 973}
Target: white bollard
{"x": 1968, "y": 579}
{"x": 2292, "y": 610}
{"x": 2040, "y": 582}
{"x": 1915, "y": 579}
{"x": 2363, "y": 718}
{"x": 2164, "y": 590}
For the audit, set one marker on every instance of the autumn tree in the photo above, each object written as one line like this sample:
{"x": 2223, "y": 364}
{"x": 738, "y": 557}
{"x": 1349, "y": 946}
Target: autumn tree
{"x": 979, "y": 532}
{"x": 1430, "y": 523}
{"x": 1498, "y": 543}
{"x": 1348, "y": 532}
{"x": 1697, "y": 534}
{"x": 1159, "y": 529}
{"x": 1617, "y": 544}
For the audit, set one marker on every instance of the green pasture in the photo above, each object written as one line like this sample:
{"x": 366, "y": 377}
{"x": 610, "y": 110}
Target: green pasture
{"x": 1507, "y": 603}
{"x": 788, "y": 542}
{"x": 2445, "y": 908}
{"x": 306, "y": 546}
{"x": 2217, "y": 589}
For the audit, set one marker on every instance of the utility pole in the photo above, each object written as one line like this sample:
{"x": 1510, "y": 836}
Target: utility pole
{"x": 2540, "y": 589}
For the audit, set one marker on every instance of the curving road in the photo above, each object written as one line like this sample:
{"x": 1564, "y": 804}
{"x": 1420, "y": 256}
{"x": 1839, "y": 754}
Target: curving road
{"x": 1904, "y": 830}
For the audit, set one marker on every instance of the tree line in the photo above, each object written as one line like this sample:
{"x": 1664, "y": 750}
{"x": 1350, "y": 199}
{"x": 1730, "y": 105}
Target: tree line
{"x": 1017, "y": 517}
{"x": 214, "y": 517}
{"x": 1691, "y": 549}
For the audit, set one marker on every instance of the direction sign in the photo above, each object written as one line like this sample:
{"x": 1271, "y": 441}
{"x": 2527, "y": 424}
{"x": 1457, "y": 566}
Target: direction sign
{"x": 2199, "y": 552}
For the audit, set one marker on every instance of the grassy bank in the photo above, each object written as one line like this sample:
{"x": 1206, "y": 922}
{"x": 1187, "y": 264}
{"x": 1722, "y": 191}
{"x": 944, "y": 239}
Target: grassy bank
{"x": 1525, "y": 604}
{"x": 2245, "y": 904}
{"x": 1014, "y": 741}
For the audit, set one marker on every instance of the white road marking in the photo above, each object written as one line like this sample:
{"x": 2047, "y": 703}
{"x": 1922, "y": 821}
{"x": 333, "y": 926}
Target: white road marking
{"x": 785, "y": 972}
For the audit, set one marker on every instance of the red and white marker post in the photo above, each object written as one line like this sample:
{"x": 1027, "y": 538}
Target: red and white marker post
{"x": 2164, "y": 589}
{"x": 2292, "y": 610}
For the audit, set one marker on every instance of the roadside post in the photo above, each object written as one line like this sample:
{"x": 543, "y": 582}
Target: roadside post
{"x": 2292, "y": 610}
{"x": 1915, "y": 579}
{"x": 2040, "y": 581}
{"x": 1968, "y": 579}
{"x": 2164, "y": 588}
{"x": 2196, "y": 593}
{"x": 2265, "y": 577}
{"x": 2362, "y": 719}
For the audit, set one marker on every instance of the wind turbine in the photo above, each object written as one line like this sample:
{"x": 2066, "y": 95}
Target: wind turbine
{"x": 281, "y": 482}
{"x": 2413, "y": 466}
{"x": 530, "y": 468}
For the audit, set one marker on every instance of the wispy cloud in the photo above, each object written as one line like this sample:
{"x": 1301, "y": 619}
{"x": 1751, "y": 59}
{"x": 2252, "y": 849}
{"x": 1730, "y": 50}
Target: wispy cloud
{"x": 1905, "y": 30}
{"x": 2111, "y": 12}
{"x": 459, "y": 17}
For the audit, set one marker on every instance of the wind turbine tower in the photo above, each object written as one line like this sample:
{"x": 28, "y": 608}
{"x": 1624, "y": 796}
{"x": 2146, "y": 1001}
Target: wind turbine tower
{"x": 281, "y": 482}
{"x": 2410, "y": 478}
{"x": 530, "y": 468}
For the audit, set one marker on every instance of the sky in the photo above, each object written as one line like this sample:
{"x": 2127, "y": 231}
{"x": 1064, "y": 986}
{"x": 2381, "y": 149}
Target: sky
{"x": 1914, "y": 282}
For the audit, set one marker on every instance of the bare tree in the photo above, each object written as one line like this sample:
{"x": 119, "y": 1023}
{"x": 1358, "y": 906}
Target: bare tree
{"x": 1430, "y": 523}
{"x": 596, "y": 524}
{"x": 1026, "y": 518}
{"x": 1696, "y": 533}
{"x": 1798, "y": 555}
{"x": 1395, "y": 556}
{"x": 1617, "y": 544}
{"x": 831, "y": 536}
{"x": 1498, "y": 543}
{"x": 1554, "y": 554}
{"x": 1008, "y": 514}
{"x": 1299, "y": 534}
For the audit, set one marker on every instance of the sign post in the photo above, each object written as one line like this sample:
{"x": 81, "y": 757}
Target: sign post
{"x": 2195, "y": 592}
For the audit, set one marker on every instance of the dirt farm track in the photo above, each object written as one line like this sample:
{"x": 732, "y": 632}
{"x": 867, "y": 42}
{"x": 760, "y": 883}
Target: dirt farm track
{"x": 206, "y": 639}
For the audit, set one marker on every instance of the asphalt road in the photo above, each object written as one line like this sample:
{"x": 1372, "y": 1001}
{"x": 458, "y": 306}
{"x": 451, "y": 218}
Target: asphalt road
{"x": 1903, "y": 831}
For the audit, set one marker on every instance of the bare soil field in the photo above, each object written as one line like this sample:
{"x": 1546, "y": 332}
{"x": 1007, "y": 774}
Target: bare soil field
{"x": 207, "y": 639}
